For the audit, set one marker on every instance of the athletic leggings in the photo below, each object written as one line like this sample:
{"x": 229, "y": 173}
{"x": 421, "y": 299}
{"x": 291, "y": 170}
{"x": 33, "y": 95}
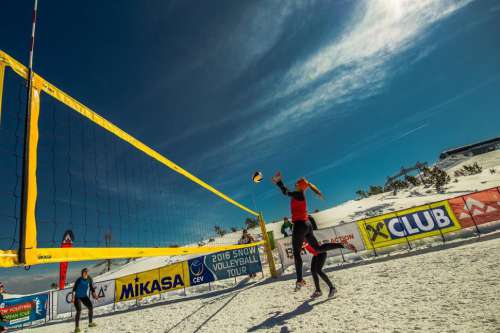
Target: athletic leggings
{"x": 316, "y": 269}
{"x": 302, "y": 230}
{"x": 78, "y": 306}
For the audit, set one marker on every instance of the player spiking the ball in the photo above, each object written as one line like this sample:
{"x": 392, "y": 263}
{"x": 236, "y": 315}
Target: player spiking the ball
{"x": 302, "y": 228}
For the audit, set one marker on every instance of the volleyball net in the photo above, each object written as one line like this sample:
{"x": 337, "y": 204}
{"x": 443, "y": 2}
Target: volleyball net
{"x": 119, "y": 197}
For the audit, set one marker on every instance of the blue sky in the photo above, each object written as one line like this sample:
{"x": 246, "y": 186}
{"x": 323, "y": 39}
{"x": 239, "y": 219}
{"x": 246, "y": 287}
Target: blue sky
{"x": 344, "y": 92}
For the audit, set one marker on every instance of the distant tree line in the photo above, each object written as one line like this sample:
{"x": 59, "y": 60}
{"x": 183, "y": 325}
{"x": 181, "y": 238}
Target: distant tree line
{"x": 428, "y": 177}
{"x": 249, "y": 223}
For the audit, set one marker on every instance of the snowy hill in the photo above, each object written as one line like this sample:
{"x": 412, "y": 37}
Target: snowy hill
{"x": 356, "y": 209}
{"x": 430, "y": 299}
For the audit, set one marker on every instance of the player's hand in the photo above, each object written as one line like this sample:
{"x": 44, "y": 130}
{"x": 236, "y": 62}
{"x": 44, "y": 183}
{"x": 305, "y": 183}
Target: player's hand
{"x": 277, "y": 177}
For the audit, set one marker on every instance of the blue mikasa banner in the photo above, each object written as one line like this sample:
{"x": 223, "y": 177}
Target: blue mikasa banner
{"x": 224, "y": 265}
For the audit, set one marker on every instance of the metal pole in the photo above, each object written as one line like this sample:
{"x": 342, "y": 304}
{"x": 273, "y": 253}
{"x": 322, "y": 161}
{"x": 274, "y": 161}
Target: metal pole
{"x": 437, "y": 224}
{"x": 24, "y": 189}
{"x": 341, "y": 252}
{"x": 405, "y": 231}
{"x": 370, "y": 239}
{"x": 267, "y": 247}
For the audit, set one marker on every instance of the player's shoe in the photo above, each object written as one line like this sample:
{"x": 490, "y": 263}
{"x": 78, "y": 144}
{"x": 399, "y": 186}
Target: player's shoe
{"x": 299, "y": 284}
{"x": 77, "y": 330}
{"x": 317, "y": 294}
{"x": 332, "y": 292}
{"x": 92, "y": 324}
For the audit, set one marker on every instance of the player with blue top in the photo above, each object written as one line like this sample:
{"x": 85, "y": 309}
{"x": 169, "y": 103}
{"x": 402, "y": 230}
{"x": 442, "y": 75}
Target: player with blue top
{"x": 81, "y": 295}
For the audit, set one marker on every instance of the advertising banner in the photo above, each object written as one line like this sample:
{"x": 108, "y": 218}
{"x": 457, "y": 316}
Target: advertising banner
{"x": 223, "y": 265}
{"x": 16, "y": 311}
{"x": 411, "y": 224}
{"x": 348, "y": 233}
{"x": 105, "y": 292}
{"x": 152, "y": 282}
{"x": 286, "y": 252}
{"x": 480, "y": 207}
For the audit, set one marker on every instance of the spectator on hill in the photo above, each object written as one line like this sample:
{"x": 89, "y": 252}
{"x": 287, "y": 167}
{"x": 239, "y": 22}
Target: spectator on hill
{"x": 286, "y": 227}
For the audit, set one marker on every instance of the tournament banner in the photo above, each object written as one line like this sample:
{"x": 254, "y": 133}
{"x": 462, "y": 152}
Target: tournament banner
{"x": 16, "y": 311}
{"x": 286, "y": 251}
{"x": 154, "y": 282}
{"x": 348, "y": 233}
{"x": 480, "y": 207}
{"x": 224, "y": 265}
{"x": 105, "y": 292}
{"x": 411, "y": 224}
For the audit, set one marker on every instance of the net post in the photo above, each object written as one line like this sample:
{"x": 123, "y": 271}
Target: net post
{"x": 267, "y": 246}
{"x": 28, "y": 243}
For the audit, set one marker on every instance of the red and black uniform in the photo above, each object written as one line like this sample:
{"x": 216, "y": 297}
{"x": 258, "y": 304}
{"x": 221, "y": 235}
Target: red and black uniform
{"x": 302, "y": 228}
{"x": 317, "y": 263}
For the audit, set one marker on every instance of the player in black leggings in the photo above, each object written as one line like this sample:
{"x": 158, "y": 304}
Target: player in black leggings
{"x": 317, "y": 263}
{"x": 302, "y": 228}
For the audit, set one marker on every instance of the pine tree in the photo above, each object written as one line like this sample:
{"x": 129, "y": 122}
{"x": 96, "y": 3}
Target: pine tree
{"x": 219, "y": 230}
{"x": 251, "y": 223}
{"x": 373, "y": 190}
{"x": 412, "y": 180}
{"x": 361, "y": 194}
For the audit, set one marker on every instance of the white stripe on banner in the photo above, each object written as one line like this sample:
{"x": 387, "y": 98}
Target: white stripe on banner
{"x": 105, "y": 292}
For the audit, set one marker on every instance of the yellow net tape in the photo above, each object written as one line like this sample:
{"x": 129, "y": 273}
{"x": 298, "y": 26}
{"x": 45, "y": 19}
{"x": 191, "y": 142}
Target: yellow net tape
{"x": 54, "y": 255}
{"x": 2, "y": 72}
{"x": 31, "y": 194}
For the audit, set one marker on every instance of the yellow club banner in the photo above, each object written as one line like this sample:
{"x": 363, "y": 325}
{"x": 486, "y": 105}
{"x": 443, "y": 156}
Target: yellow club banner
{"x": 410, "y": 224}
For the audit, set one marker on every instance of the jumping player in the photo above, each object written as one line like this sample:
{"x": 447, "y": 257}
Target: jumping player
{"x": 302, "y": 228}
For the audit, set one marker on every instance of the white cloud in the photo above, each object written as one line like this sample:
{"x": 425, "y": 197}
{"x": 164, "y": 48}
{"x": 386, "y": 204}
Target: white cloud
{"x": 353, "y": 66}
{"x": 356, "y": 64}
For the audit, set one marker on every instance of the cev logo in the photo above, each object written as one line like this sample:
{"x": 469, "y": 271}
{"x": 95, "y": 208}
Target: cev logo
{"x": 418, "y": 222}
{"x": 196, "y": 267}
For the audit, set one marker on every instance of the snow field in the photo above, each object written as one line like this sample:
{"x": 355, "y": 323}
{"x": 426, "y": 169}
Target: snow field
{"x": 448, "y": 290}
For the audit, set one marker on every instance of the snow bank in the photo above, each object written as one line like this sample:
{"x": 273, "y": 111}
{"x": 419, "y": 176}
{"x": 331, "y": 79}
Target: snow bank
{"x": 449, "y": 290}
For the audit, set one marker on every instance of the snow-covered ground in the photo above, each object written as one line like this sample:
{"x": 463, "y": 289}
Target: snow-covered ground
{"x": 447, "y": 290}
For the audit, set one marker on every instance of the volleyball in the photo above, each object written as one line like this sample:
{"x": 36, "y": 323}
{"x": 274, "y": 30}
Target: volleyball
{"x": 257, "y": 177}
